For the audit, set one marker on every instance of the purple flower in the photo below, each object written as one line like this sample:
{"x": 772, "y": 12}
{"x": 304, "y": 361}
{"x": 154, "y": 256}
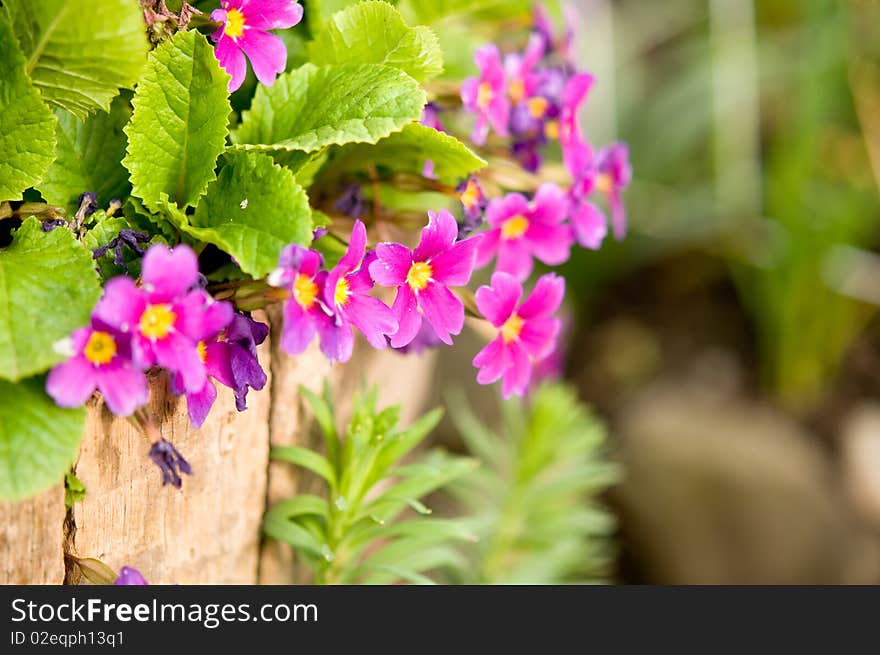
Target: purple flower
{"x": 486, "y": 95}
{"x": 88, "y": 203}
{"x": 101, "y": 360}
{"x": 231, "y": 359}
{"x": 299, "y": 272}
{"x": 520, "y": 230}
{"x": 473, "y": 201}
{"x": 520, "y": 70}
{"x": 613, "y": 175}
{"x": 423, "y": 277}
{"x": 352, "y": 202}
{"x": 130, "y": 577}
{"x": 170, "y": 462}
{"x": 168, "y": 315}
{"x": 125, "y": 237}
{"x": 245, "y": 31}
{"x": 425, "y": 339}
{"x": 526, "y": 334}
{"x": 346, "y": 294}
{"x": 588, "y": 223}
{"x": 431, "y": 117}
{"x": 543, "y": 26}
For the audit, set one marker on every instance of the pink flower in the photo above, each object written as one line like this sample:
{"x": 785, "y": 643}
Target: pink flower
{"x": 167, "y": 316}
{"x": 486, "y": 95}
{"x": 346, "y": 294}
{"x": 526, "y": 334}
{"x": 423, "y": 277}
{"x": 520, "y": 230}
{"x": 613, "y": 175}
{"x": 576, "y": 151}
{"x": 299, "y": 272}
{"x": 245, "y": 31}
{"x": 102, "y": 361}
{"x": 522, "y": 79}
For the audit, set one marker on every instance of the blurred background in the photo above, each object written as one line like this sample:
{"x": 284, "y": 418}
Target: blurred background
{"x": 731, "y": 342}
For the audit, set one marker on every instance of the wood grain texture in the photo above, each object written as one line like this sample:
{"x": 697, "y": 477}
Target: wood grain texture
{"x": 206, "y": 532}
{"x": 32, "y": 539}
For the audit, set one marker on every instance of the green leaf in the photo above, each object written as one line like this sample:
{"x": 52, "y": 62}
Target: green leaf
{"x": 299, "y": 506}
{"x": 306, "y": 458}
{"x": 178, "y": 128}
{"x": 323, "y": 412}
{"x": 311, "y": 108}
{"x": 38, "y": 440}
{"x": 374, "y": 33}
{"x": 252, "y": 211}
{"x": 407, "y": 150}
{"x": 294, "y": 534}
{"x": 74, "y": 490}
{"x": 48, "y": 287}
{"x": 27, "y": 128}
{"x": 87, "y": 158}
{"x": 80, "y": 53}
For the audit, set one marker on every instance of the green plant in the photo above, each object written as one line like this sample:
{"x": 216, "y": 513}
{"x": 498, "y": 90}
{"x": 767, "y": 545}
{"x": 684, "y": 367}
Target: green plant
{"x": 534, "y": 502}
{"x": 356, "y": 534}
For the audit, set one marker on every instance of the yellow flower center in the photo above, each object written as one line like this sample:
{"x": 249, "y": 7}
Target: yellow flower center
{"x": 305, "y": 291}
{"x": 157, "y": 321}
{"x": 484, "y": 95}
{"x": 471, "y": 194}
{"x": 514, "y": 227}
{"x": 100, "y": 349}
{"x": 203, "y": 351}
{"x": 551, "y": 129}
{"x": 537, "y": 107}
{"x": 341, "y": 293}
{"x": 516, "y": 91}
{"x": 234, "y": 26}
{"x": 604, "y": 184}
{"x": 419, "y": 275}
{"x": 511, "y": 329}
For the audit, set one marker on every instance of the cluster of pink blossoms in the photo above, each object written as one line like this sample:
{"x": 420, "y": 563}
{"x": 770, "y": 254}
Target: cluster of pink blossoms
{"x": 167, "y": 321}
{"x": 533, "y": 98}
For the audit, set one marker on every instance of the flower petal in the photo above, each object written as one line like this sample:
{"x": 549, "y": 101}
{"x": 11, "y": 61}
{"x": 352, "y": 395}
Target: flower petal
{"x": 545, "y": 299}
{"x": 198, "y": 405}
{"x": 169, "y": 273}
{"x": 443, "y": 310}
{"x": 337, "y": 340}
{"x": 392, "y": 263}
{"x": 271, "y": 14}
{"x": 516, "y": 376}
{"x": 455, "y": 266}
{"x": 373, "y": 318}
{"x": 121, "y": 305}
{"x": 298, "y": 329}
{"x": 231, "y": 59}
{"x": 437, "y": 237}
{"x": 550, "y": 243}
{"x": 124, "y": 389}
{"x": 492, "y": 360}
{"x": 498, "y": 301}
{"x": 71, "y": 383}
{"x": 409, "y": 320}
{"x": 179, "y": 354}
{"x": 267, "y": 53}
{"x": 515, "y": 258}
{"x": 539, "y": 335}
{"x": 550, "y": 205}
{"x": 589, "y": 225}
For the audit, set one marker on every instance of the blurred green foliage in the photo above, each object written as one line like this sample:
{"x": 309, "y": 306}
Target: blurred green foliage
{"x": 750, "y": 125}
{"x": 534, "y": 501}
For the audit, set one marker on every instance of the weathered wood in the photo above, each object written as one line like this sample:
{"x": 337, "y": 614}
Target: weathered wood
{"x": 31, "y": 539}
